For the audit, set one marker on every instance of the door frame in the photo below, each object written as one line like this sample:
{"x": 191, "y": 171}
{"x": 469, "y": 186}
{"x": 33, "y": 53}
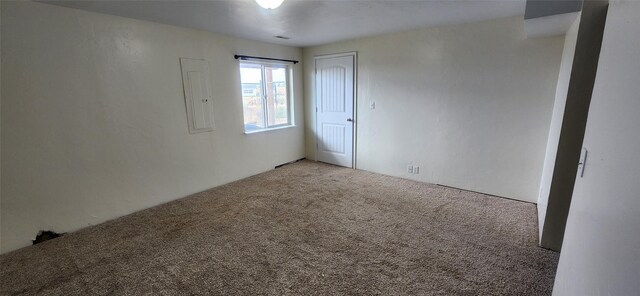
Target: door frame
{"x": 353, "y": 54}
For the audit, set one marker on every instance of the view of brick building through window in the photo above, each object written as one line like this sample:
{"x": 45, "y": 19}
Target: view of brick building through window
{"x": 265, "y": 99}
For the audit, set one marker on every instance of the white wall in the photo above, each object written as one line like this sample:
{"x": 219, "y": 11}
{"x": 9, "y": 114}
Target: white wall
{"x": 556, "y": 120}
{"x": 94, "y": 123}
{"x": 601, "y": 250}
{"x": 470, "y": 104}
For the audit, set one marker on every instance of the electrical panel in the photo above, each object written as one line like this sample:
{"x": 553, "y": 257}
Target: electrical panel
{"x": 197, "y": 94}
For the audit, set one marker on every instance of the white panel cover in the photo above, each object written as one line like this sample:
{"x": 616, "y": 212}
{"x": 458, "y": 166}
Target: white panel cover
{"x": 197, "y": 95}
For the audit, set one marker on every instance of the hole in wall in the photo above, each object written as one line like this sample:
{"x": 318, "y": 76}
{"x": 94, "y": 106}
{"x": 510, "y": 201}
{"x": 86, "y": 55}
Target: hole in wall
{"x": 45, "y": 235}
{"x": 281, "y": 165}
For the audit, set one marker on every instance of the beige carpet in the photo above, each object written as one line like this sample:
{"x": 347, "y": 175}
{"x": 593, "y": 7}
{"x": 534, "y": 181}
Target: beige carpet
{"x": 303, "y": 229}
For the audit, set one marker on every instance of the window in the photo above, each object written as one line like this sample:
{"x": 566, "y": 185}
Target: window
{"x": 265, "y": 96}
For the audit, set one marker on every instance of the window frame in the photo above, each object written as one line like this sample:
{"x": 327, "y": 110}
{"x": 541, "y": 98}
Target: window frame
{"x": 263, "y": 87}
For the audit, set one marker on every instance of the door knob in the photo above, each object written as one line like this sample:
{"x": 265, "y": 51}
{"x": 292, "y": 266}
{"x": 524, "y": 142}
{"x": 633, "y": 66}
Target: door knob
{"x": 349, "y": 120}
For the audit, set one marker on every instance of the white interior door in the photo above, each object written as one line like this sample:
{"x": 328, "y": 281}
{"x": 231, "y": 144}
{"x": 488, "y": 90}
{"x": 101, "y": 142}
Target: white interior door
{"x": 334, "y": 109}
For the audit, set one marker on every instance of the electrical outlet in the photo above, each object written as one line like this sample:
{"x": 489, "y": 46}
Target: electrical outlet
{"x": 416, "y": 169}
{"x": 410, "y": 169}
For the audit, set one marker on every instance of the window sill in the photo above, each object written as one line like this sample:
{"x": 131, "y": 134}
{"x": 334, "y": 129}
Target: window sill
{"x": 269, "y": 129}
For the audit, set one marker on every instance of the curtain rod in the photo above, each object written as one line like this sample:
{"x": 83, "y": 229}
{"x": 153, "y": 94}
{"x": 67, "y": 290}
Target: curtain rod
{"x": 245, "y": 57}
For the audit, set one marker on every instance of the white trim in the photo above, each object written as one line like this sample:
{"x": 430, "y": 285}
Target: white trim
{"x": 336, "y": 55}
{"x": 269, "y": 129}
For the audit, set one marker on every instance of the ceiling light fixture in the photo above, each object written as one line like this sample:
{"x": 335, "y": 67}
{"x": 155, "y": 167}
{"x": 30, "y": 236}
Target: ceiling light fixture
{"x": 269, "y": 4}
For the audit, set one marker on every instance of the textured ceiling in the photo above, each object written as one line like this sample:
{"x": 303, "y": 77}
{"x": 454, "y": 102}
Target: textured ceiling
{"x": 307, "y": 23}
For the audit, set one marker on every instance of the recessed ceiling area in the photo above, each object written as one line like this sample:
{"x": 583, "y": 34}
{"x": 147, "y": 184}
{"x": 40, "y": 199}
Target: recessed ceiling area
{"x": 306, "y": 23}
